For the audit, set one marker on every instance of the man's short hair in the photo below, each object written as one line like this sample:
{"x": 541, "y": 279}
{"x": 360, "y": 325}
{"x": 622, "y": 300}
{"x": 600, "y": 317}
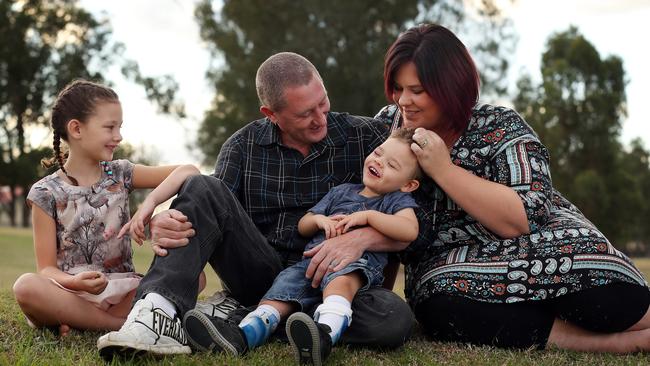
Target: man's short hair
{"x": 278, "y": 72}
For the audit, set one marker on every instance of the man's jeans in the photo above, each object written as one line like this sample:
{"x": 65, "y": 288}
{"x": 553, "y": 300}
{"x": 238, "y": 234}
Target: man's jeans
{"x": 247, "y": 265}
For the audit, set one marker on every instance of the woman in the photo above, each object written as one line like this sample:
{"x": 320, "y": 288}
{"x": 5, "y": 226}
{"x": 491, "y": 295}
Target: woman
{"x": 502, "y": 258}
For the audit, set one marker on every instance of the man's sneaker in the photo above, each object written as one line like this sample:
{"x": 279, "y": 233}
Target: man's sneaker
{"x": 220, "y": 304}
{"x": 146, "y": 330}
{"x": 214, "y": 334}
{"x": 310, "y": 341}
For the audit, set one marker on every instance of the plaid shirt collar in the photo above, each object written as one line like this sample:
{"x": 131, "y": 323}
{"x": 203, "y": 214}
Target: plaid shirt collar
{"x": 269, "y": 134}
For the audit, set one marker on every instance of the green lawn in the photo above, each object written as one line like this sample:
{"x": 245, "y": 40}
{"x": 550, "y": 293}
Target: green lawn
{"x": 20, "y": 345}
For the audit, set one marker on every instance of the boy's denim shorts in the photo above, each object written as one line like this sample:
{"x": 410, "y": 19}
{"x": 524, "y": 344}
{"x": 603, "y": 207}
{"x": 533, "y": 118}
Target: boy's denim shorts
{"x": 291, "y": 285}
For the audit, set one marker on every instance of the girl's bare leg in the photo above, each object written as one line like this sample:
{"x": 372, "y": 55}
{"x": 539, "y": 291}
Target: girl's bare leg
{"x": 122, "y": 309}
{"x": 47, "y": 304}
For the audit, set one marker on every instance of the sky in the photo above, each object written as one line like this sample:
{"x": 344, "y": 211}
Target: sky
{"x": 163, "y": 37}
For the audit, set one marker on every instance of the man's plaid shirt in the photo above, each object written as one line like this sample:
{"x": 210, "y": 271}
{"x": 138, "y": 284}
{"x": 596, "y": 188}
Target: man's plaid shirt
{"x": 276, "y": 185}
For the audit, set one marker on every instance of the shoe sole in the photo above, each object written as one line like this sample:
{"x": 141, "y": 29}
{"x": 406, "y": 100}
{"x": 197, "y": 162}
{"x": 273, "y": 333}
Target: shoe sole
{"x": 304, "y": 338}
{"x": 203, "y": 335}
{"x": 109, "y": 349}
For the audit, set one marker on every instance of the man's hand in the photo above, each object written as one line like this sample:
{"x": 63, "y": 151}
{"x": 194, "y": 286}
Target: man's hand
{"x": 333, "y": 255}
{"x": 169, "y": 229}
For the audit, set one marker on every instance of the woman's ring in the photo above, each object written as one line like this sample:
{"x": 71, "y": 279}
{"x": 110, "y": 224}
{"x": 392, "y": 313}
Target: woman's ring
{"x": 424, "y": 143}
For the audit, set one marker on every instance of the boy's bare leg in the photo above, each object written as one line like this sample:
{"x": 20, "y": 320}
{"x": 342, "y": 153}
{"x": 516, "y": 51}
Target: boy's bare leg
{"x": 346, "y": 285}
{"x": 283, "y": 307}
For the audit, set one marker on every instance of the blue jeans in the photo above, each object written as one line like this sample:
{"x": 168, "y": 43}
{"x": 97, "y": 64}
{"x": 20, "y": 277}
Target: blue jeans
{"x": 291, "y": 285}
{"x": 247, "y": 264}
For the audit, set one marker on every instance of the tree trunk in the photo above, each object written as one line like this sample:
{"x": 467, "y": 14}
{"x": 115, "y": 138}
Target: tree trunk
{"x": 12, "y": 206}
{"x": 26, "y": 211}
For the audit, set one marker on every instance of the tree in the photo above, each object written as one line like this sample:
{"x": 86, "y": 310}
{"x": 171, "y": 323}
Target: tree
{"x": 346, "y": 41}
{"x": 43, "y": 46}
{"x": 577, "y": 110}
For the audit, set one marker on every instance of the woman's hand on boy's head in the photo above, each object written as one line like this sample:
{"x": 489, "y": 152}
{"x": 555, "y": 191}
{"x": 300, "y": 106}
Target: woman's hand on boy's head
{"x": 431, "y": 151}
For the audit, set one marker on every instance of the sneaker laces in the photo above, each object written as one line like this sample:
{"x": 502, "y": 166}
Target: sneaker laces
{"x": 138, "y": 310}
{"x": 222, "y": 302}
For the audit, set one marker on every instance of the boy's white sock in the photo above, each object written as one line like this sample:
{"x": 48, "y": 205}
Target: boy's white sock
{"x": 336, "y": 312}
{"x": 161, "y": 302}
{"x": 259, "y": 324}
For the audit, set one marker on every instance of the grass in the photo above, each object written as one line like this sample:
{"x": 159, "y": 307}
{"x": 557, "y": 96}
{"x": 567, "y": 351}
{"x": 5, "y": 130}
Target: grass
{"x": 21, "y": 345}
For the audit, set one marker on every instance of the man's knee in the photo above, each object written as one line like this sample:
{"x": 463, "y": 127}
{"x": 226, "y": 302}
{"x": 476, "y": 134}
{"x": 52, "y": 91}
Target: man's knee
{"x": 202, "y": 183}
{"x": 380, "y": 318}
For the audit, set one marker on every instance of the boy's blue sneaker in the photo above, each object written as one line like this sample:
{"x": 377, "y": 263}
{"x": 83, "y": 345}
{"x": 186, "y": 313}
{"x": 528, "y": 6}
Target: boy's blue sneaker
{"x": 310, "y": 341}
{"x": 214, "y": 334}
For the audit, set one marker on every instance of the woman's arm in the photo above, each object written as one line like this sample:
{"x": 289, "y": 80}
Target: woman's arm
{"x": 494, "y": 205}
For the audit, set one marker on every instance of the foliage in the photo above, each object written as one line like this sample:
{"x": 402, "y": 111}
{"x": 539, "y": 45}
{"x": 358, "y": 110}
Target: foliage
{"x": 346, "y": 41}
{"x": 43, "y": 46}
{"x": 577, "y": 110}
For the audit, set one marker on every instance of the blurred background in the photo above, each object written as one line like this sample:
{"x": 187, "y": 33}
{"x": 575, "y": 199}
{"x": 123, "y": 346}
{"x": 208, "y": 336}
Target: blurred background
{"x": 576, "y": 70}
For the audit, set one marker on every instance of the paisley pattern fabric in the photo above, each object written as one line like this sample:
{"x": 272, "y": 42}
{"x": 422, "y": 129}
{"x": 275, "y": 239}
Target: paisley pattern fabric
{"x": 88, "y": 219}
{"x": 456, "y": 255}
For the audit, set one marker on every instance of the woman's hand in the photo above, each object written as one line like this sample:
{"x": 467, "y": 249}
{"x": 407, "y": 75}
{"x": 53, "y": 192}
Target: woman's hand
{"x": 431, "y": 151}
{"x": 90, "y": 281}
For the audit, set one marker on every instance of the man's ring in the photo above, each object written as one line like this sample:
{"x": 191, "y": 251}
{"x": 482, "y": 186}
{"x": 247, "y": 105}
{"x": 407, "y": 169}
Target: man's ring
{"x": 424, "y": 143}
{"x": 333, "y": 263}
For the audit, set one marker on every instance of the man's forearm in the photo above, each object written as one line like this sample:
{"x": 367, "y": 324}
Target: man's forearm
{"x": 374, "y": 241}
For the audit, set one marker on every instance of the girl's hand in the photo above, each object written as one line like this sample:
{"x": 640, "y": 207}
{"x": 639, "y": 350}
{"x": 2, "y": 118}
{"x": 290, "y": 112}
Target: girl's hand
{"x": 328, "y": 224}
{"x": 90, "y": 281}
{"x": 431, "y": 151}
{"x": 359, "y": 218}
{"x": 137, "y": 224}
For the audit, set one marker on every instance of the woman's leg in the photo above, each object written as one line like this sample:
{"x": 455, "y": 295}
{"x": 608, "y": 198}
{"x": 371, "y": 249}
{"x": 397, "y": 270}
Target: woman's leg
{"x": 611, "y": 308}
{"x": 46, "y": 304}
{"x": 610, "y": 318}
{"x": 458, "y": 319}
{"x": 565, "y": 335}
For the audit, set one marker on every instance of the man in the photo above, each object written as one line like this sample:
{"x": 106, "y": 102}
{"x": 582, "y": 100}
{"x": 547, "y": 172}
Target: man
{"x": 268, "y": 174}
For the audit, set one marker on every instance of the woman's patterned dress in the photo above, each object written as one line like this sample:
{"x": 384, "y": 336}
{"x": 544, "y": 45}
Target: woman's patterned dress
{"x": 456, "y": 255}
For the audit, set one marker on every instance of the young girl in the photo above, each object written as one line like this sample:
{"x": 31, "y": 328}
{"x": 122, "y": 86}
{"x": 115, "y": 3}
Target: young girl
{"x": 85, "y": 277}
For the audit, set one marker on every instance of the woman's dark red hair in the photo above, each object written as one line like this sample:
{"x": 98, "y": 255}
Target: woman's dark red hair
{"x": 445, "y": 69}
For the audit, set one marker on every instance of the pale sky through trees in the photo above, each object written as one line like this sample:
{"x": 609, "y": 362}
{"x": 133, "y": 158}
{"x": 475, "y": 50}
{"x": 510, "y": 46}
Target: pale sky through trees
{"x": 162, "y": 36}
